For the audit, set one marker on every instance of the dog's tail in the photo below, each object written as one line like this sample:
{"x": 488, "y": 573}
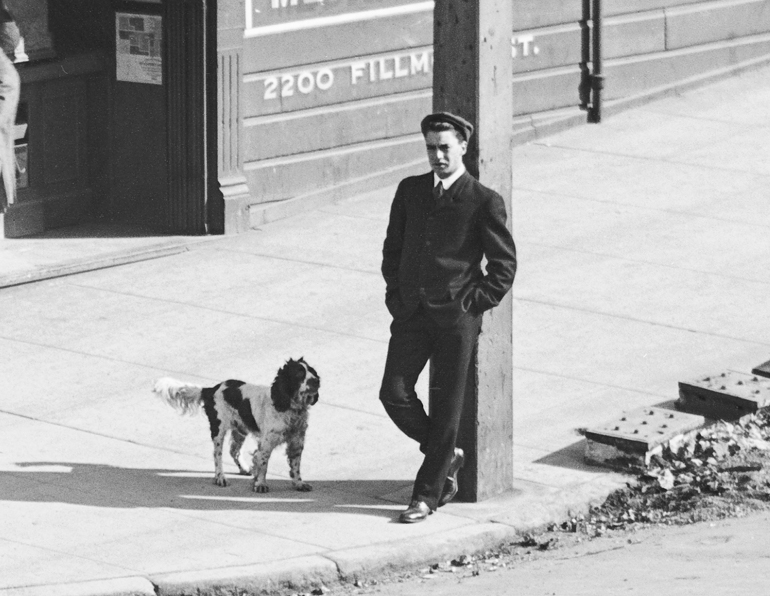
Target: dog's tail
{"x": 183, "y": 397}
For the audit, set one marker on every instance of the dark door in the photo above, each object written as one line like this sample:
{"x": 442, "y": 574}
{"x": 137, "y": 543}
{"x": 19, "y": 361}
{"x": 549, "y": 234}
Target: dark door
{"x": 139, "y": 119}
{"x": 165, "y": 65}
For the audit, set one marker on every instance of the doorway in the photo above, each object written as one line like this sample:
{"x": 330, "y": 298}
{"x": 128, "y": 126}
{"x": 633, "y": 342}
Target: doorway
{"x": 135, "y": 145}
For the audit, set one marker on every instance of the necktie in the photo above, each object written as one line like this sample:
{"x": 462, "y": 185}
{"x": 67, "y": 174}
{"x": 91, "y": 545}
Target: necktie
{"x": 438, "y": 192}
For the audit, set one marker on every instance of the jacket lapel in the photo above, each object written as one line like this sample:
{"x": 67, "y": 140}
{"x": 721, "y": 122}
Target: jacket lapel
{"x": 455, "y": 192}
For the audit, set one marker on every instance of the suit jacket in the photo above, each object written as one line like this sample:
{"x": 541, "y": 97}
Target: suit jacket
{"x": 432, "y": 252}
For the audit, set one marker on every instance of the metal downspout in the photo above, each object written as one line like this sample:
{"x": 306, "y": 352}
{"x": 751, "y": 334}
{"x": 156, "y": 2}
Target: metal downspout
{"x": 591, "y": 82}
{"x": 597, "y": 78}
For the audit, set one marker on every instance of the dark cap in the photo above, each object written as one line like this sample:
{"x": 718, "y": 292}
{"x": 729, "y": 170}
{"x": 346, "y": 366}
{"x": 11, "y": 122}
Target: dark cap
{"x": 462, "y": 126}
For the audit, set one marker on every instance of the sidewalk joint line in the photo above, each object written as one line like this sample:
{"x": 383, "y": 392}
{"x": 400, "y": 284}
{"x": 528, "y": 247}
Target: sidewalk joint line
{"x": 646, "y": 322}
{"x": 59, "y": 552}
{"x": 651, "y": 109}
{"x": 328, "y": 211}
{"x": 551, "y": 145}
{"x": 690, "y": 214}
{"x": 591, "y": 382}
{"x": 291, "y": 260}
{"x": 225, "y": 312}
{"x": 652, "y": 263}
{"x": 98, "y": 434}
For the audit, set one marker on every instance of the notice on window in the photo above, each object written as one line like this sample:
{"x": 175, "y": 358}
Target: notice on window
{"x": 138, "y": 48}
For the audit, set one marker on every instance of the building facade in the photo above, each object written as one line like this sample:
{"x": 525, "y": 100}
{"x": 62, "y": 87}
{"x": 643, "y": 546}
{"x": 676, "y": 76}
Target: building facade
{"x": 194, "y": 116}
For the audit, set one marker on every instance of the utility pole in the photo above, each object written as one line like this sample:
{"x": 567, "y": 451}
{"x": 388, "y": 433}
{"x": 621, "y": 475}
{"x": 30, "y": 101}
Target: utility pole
{"x": 472, "y": 77}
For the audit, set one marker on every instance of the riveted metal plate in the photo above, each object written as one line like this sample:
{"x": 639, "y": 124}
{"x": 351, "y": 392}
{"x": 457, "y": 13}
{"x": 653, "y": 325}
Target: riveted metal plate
{"x": 725, "y": 396}
{"x": 644, "y": 429}
{"x": 763, "y": 370}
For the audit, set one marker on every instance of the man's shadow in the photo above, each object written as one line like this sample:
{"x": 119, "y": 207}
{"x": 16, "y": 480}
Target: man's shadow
{"x": 98, "y": 485}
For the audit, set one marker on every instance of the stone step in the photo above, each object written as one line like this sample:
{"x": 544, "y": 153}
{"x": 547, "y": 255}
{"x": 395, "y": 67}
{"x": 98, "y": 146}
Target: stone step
{"x": 763, "y": 370}
{"x": 635, "y": 436}
{"x": 725, "y": 396}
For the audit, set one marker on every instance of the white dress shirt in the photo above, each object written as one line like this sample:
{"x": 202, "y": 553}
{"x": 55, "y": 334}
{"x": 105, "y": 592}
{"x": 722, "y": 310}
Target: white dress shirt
{"x": 448, "y": 182}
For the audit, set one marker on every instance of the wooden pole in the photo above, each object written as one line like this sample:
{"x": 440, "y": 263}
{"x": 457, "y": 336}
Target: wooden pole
{"x": 473, "y": 73}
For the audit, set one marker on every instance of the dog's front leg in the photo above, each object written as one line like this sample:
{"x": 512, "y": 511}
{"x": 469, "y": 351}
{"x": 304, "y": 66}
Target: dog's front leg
{"x": 219, "y": 473}
{"x": 294, "y": 454}
{"x": 260, "y": 459}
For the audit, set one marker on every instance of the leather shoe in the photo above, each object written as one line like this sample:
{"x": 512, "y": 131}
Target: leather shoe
{"x": 417, "y": 512}
{"x": 451, "y": 486}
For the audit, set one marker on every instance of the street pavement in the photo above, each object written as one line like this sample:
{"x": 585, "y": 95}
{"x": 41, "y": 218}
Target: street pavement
{"x": 643, "y": 247}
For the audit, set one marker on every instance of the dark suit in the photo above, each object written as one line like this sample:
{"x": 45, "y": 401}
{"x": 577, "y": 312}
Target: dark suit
{"x": 436, "y": 292}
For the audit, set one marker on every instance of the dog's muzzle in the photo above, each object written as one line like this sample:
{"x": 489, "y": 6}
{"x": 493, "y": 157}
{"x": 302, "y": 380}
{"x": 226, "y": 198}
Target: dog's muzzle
{"x": 311, "y": 393}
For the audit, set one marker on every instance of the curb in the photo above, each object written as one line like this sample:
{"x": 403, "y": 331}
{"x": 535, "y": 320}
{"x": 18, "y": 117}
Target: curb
{"x": 346, "y": 565}
{"x": 355, "y": 563}
{"x": 92, "y": 264}
{"x": 538, "y": 511}
{"x": 124, "y": 586}
{"x": 263, "y": 577}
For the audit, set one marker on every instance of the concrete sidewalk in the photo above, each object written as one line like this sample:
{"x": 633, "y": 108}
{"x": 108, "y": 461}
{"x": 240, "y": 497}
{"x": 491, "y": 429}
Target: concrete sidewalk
{"x": 642, "y": 242}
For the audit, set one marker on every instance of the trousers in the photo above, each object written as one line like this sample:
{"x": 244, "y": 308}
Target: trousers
{"x": 414, "y": 342}
{"x": 10, "y": 87}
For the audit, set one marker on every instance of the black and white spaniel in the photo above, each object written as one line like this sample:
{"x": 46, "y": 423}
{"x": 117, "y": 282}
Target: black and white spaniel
{"x": 274, "y": 415}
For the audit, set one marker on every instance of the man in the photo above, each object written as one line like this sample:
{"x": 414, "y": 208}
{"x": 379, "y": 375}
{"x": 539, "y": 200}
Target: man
{"x": 441, "y": 225}
{"x": 10, "y": 87}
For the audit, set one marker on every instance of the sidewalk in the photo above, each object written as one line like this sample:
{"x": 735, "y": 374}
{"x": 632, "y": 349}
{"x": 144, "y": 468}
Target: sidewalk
{"x": 643, "y": 245}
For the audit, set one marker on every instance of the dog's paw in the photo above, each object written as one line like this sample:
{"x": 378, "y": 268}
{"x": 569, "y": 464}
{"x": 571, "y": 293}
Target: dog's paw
{"x": 260, "y": 487}
{"x": 220, "y": 480}
{"x": 303, "y": 486}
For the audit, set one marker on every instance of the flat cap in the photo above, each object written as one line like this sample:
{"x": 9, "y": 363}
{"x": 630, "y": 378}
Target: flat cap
{"x": 462, "y": 126}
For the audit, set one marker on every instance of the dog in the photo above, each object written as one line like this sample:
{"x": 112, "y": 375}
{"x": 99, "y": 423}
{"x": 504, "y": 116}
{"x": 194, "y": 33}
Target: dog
{"x": 274, "y": 415}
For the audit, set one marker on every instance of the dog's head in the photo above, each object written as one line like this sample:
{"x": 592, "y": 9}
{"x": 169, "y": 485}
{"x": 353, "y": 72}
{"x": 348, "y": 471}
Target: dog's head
{"x": 295, "y": 386}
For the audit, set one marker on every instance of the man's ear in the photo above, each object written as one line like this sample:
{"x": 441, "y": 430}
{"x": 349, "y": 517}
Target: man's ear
{"x": 464, "y": 147}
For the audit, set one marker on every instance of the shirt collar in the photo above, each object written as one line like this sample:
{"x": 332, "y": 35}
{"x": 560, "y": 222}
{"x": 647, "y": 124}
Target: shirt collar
{"x": 448, "y": 182}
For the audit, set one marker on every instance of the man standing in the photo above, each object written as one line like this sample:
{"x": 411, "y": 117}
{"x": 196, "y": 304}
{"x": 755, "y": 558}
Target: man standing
{"x": 10, "y": 87}
{"x": 441, "y": 225}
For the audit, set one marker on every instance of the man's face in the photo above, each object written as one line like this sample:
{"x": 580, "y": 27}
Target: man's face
{"x": 445, "y": 152}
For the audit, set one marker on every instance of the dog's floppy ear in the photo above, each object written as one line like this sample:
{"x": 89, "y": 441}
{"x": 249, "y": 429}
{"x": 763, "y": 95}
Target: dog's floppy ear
{"x": 283, "y": 388}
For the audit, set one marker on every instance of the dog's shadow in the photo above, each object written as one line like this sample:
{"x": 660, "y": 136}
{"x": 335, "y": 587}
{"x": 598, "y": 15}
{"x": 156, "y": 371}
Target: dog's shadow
{"x": 98, "y": 485}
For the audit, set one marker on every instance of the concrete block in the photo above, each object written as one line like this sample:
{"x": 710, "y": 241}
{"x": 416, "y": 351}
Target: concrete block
{"x": 715, "y": 21}
{"x": 315, "y": 130}
{"x": 640, "y": 74}
{"x": 549, "y": 47}
{"x": 634, "y": 34}
{"x": 725, "y": 396}
{"x": 545, "y": 90}
{"x": 763, "y": 370}
{"x": 637, "y": 435}
{"x": 288, "y": 177}
{"x": 632, "y": 6}
{"x": 337, "y": 42}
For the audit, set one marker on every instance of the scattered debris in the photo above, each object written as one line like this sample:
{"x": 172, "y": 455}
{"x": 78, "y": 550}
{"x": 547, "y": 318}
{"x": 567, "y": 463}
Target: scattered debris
{"x": 721, "y": 471}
